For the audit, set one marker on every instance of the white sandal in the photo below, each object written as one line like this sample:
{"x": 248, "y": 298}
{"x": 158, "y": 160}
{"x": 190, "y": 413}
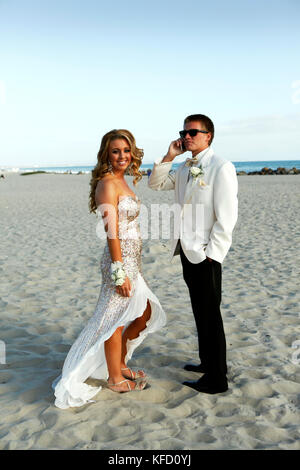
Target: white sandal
{"x": 135, "y": 375}
{"x": 139, "y": 386}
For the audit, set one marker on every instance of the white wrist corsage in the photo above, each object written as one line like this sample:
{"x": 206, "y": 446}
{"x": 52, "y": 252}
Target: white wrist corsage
{"x": 196, "y": 172}
{"x": 118, "y": 274}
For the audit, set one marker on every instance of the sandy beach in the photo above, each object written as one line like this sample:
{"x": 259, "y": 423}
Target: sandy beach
{"x": 50, "y": 282}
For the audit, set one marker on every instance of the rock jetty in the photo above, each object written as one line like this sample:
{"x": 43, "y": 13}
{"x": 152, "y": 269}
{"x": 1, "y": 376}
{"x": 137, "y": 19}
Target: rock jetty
{"x": 270, "y": 171}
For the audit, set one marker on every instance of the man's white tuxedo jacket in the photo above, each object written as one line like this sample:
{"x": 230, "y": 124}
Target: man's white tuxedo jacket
{"x": 208, "y": 212}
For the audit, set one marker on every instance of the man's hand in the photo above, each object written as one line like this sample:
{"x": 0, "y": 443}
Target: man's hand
{"x": 174, "y": 150}
{"x": 209, "y": 259}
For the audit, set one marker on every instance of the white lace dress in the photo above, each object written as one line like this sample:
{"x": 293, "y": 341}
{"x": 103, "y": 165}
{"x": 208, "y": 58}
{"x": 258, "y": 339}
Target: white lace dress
{"x": 86, "y": 357}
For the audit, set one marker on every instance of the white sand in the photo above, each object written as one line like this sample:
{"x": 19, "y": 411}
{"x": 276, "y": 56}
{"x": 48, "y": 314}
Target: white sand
{"x": 50, "y": 283}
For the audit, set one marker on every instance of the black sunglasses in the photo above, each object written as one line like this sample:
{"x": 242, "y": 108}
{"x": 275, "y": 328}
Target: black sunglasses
{"x": 191, "y": 132}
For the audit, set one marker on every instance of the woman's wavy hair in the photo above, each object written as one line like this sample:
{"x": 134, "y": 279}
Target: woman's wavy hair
{"x": 102, "y": 167}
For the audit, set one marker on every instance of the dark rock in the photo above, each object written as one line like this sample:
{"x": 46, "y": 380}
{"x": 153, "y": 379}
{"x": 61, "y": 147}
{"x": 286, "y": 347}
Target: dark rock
{"x": 266, "y": 171}
{"x": 281, "y": 171}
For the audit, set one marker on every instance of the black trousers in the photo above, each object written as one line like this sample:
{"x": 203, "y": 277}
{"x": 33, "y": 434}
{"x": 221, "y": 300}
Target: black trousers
{"x": 204, "y": 281}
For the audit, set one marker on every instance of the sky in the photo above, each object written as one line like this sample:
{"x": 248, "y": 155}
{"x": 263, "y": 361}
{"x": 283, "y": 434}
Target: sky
{"x": 71, "y": 70}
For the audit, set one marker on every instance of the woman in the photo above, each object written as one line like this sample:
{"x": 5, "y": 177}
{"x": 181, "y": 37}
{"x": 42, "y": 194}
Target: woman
{"x": 126, "y": 310}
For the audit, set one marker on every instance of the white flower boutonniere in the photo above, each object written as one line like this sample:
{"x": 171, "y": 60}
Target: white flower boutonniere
{"x": 196, "y": 172}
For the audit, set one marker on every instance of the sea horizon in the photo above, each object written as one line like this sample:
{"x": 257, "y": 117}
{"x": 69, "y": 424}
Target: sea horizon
{"x": 246, "y": 166}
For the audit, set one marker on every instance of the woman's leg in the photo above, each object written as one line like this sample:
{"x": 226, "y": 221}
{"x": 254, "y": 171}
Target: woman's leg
{"x": 133, "y": 331}
{"x": 113, "y": 351}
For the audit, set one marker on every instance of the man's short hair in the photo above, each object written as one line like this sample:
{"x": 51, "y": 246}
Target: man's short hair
{"x": 206, "y": 121}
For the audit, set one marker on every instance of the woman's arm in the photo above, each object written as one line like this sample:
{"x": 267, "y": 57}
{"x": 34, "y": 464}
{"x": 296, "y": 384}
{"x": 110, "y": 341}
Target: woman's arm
{"x": 106, "y": 198}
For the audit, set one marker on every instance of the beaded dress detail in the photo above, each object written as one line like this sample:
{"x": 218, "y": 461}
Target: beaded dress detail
{"x": 86, "y": 357}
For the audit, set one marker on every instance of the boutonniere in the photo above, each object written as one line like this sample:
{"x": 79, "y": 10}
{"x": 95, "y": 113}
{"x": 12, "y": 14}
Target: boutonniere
{"x": 196, "y": 173}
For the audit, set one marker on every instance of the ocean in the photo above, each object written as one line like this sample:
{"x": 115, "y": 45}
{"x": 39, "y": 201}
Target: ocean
{"x": 240, "y": 166}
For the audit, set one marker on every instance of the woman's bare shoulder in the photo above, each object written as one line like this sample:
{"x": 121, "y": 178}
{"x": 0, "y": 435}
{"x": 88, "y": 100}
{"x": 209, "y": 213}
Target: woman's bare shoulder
{"x": 106, "y": 190}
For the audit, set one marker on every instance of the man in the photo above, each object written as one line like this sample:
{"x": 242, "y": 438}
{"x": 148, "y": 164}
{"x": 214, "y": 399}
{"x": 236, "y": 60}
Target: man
{"x": 210, "y": 189}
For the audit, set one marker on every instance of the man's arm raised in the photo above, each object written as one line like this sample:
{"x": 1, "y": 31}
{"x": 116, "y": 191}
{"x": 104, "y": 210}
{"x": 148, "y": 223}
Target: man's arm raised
{"x": 162, "y": 178}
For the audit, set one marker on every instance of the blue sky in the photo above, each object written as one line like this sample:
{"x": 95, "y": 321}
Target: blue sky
{"x": 72, "y": 70}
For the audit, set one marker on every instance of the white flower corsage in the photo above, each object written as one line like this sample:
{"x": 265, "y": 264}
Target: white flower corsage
{"x": 118, "y": 274}
{"x": 196, "y": 172}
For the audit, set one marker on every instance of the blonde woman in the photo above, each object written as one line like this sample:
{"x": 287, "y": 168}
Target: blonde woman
{"x": 126, "y": 310}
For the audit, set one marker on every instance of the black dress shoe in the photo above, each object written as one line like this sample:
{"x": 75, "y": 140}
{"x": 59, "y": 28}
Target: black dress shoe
{"x": 207, "y": 385}
{"x": 194, "y": 368}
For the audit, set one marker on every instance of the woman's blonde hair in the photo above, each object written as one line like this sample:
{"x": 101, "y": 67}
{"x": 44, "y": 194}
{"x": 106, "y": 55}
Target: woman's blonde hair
{"x": 102, "y": 167}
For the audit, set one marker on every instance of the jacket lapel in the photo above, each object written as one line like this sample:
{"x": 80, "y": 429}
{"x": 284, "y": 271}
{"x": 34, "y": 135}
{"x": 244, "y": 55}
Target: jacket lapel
{"x": 192, "y": 185}
{"x": 183, "y": 182}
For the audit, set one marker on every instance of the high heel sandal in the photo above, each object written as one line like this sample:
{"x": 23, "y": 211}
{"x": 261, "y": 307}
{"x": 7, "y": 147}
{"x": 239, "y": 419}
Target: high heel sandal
{"x": 139, "y": 386}
{"x": 135, "y": 375}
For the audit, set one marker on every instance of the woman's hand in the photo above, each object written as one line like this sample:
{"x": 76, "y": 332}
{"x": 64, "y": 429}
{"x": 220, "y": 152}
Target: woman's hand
{"x": 125, "y": 288}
